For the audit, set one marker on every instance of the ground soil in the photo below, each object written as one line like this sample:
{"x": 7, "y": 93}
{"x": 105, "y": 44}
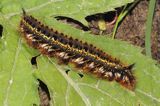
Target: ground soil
{"x": 132, "y": 29}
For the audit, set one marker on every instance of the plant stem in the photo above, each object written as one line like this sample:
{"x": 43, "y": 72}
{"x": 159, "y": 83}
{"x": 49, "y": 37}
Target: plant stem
{"x": 149, "y": 27}
{"x": 121, "y": 16}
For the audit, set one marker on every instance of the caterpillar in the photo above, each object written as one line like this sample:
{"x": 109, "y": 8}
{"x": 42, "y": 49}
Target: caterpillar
{"x": 66, "y": 49}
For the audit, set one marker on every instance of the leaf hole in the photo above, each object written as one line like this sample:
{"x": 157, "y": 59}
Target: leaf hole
{"x": 43, "y": 93}
{"x": 109, "y": 17}
{"x": 1, "y": 30}
{"x": 81, "y": 75}
{"x": 34, "y": 61}
{"x": 67, "y": 71}
{"x": 73, "y": 22}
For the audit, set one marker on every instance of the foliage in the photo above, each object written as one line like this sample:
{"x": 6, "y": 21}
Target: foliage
{"x": 18, "y": 79}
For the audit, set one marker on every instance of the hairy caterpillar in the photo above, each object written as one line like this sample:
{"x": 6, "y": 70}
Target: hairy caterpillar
{"x": 85, "y": 56}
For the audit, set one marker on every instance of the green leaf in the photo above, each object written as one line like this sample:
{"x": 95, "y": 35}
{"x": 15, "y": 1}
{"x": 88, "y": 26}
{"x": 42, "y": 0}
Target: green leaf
{"x": 76, "y": 9}
{"x": 17, "y": 84}
{"x": 18, "y": 78}
{"x": 95, "y": 91}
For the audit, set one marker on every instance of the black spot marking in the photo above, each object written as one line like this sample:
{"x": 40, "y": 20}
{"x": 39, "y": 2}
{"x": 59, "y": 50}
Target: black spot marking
{"x": 1, "y": 30}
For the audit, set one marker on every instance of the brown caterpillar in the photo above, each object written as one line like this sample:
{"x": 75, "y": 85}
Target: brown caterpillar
{"x": 68, "y": 50}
